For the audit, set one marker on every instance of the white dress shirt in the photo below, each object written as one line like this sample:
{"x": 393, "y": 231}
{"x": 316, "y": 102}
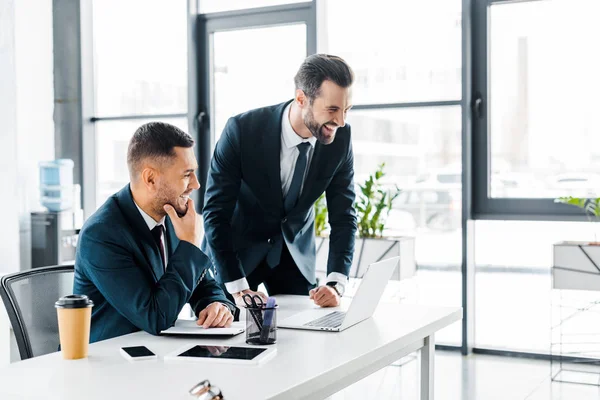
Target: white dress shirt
{"x": 151, "y": 225}
{"x": 287, "y": 159}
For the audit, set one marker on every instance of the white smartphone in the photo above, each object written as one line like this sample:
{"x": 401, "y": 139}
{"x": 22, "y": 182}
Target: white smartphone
{"x": 137, "y": 353}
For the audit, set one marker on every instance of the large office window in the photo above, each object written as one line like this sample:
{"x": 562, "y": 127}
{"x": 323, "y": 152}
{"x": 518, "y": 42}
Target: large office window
{"x": 514, "y": 295}
{"x": 401, "y": 51}
{"x": 407, "y": 57}
{"x": 140, "y": 57}
{"x": 535, "y": 120}
{"x": 535, "y": 130}
{"x": 544, "y": 129}
{"x": 240, "y": 85}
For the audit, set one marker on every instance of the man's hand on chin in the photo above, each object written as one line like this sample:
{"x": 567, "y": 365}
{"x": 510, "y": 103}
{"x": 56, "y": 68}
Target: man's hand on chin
{"x": 325, "y": 296}
{"x": 216, "y": 315}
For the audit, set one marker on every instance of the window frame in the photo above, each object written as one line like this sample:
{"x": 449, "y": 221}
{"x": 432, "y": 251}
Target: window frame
{"x": 485, "y": 206}
{"x": 201, "y": 28}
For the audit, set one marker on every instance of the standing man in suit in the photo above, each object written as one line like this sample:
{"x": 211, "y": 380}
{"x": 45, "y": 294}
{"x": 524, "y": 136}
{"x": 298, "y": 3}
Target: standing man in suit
{"x": 268, "y": 169}
{"x": 138, "y": 257}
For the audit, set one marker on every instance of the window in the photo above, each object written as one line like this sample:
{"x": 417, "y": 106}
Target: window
{"x": 421, "y": 149}
{"x": 535, "y": 124}
{"x": 544, "y": 130}
{"x": 401, "y": 51}
{"x": 140, "y": 57}
{"x": 514, "y": 284}
{"x": 240, "y": 85}
{"x": 420, "y": 144}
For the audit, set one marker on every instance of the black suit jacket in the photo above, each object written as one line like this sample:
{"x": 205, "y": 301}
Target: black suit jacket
{"x": 118, "y": 266}
{"x": 243, "y": 205}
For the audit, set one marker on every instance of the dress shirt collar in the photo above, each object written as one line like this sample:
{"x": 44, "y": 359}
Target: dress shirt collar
{"x": 149, "y": 220}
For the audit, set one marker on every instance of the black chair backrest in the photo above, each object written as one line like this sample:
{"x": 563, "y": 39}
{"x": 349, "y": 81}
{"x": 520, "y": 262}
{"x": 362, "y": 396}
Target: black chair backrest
{"x": 29, "y": 298}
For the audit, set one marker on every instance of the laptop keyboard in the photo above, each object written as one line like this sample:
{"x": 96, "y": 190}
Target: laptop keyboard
{"x": 331, "y": 320}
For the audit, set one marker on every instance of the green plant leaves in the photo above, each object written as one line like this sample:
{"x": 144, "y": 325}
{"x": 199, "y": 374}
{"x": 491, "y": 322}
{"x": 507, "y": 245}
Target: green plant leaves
{"x": 590, "y": 206}
{"x": 373, "y": 204}
{"x": 320, "y": 215}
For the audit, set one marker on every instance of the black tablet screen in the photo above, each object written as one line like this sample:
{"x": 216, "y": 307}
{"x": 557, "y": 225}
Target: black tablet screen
{"x": 235, "y": 353}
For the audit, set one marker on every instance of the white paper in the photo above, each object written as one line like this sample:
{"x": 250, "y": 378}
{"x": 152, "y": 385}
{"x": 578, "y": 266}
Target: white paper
{"x": 189, "y": 327}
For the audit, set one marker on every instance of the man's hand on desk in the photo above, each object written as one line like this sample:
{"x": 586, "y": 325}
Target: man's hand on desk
{"x": 216, "y": 315}
{"x": 325, "y": 296}
{"x": 239, "y": 300}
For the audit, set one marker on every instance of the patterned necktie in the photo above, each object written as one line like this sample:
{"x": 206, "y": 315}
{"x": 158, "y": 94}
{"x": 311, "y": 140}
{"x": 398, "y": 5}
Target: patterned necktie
{"x": 157, "y": 234}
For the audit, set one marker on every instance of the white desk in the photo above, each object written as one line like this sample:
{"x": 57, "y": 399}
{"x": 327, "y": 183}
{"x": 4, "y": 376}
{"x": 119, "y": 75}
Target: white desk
{"x": 308, "y": 365}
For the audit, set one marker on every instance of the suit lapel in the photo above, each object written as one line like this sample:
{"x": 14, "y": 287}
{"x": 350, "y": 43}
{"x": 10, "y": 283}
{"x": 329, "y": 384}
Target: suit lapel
{"x": 172, "y": 239}
{"x": 142, "y": 234}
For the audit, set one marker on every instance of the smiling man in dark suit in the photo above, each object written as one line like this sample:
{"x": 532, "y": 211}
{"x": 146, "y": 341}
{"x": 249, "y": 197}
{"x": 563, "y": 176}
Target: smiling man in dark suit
{"x": 138, "y": 257}
{"x": 268, "y": 169}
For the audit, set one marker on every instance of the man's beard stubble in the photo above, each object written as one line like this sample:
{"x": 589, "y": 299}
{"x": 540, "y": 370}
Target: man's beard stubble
{"x": 317, "y": 129}
{"x": 165, "y": 197}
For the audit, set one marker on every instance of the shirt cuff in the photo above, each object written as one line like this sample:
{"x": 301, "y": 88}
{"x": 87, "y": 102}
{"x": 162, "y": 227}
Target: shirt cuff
{"x": 230, "y": 308}
{"x": 237, "y": 286}
{"x": 340, "y": 279}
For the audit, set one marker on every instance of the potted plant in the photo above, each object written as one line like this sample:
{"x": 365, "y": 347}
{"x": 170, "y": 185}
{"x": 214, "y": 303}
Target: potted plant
{"x": 576, "y": 265}
{"x": 373, "y": 204}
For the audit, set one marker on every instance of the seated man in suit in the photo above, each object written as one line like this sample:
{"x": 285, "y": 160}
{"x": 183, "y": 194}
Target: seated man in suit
{"x": 268, "y": 169}
{"x": 138, "y": 255}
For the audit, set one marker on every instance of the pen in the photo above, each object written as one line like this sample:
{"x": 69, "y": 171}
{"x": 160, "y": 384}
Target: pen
{"x": 268, "y": 320}
{"x": 255, "y": 317}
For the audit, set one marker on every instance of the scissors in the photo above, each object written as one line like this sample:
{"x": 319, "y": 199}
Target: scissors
{"x": 253, "y": 301}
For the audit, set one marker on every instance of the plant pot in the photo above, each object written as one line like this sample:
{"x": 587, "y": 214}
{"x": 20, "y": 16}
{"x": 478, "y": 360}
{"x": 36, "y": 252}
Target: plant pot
{"x": 371, "y": 250}
{"x": 576, "y": 266}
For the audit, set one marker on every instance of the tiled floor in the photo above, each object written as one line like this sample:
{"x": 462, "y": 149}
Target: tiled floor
{"x": 477, "y": 377}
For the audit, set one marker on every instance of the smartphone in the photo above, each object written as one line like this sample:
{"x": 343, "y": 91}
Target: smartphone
{"x": 137, "y": 353}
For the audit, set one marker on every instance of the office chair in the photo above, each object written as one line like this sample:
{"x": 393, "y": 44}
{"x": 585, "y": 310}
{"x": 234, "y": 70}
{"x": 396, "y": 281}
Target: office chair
{"x": 29, "y": 298}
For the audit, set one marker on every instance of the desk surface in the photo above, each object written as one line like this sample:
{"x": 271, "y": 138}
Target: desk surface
{"x": 306, "y": 363}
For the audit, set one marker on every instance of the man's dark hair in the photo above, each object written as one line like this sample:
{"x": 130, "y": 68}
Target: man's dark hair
{"x": 155, "y": 140}
{"x": 320, "y": 67}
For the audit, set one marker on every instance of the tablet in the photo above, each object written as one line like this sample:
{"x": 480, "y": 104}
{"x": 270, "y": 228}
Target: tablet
{"x": 189, "y": 327}
{"x": 223, "y": 354}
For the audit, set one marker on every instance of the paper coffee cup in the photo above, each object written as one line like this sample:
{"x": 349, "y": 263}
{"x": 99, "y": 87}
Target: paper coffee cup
{"x": 74, "y": 318}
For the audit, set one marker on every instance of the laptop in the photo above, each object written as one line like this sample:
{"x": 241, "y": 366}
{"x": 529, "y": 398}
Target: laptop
{"x": 362, "y": 307}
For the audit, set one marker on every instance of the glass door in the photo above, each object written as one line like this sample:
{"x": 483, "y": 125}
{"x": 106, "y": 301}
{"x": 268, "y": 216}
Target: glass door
{"x": 253, "y": 67}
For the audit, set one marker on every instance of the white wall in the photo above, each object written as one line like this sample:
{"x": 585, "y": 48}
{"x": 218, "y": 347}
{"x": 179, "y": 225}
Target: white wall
{"x": 26, "y": 127}
{"x": 35, "y": 108}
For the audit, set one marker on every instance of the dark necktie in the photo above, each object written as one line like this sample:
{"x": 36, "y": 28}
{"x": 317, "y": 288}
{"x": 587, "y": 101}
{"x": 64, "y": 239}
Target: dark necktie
{"x": 274, "y": 255}
{"x": 294, "y": 191}
{"x": 157, "y": 234}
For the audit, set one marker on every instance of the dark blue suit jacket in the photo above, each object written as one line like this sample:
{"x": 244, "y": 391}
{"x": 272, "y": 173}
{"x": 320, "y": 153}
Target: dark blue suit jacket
{"x": 243, "y": 204}
{"x": 118, "y": 266}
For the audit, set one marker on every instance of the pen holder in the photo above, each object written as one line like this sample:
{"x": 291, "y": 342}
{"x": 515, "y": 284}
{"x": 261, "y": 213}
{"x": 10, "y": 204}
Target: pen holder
{"x": 261, "y": 325}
